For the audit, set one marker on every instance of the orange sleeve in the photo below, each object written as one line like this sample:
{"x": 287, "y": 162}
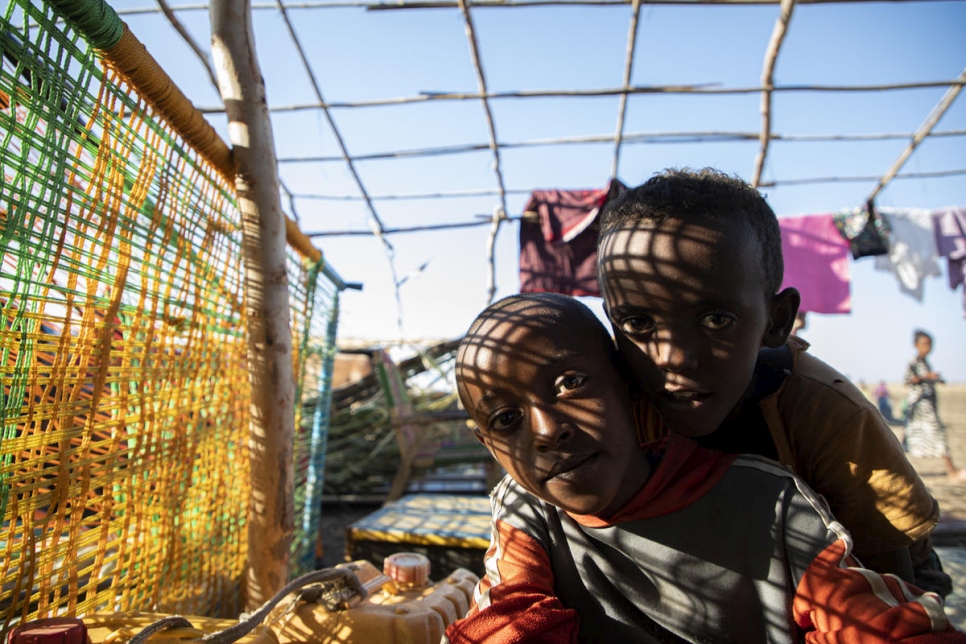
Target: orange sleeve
{"x": 837, "y": 604}
{"x": 515, "y": 601}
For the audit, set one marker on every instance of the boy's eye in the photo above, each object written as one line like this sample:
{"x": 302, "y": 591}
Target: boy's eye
{"x": 503, "y": 420}
{"x": 717, "y": 321}
{"x": 568, "y": 382}
{"x": 636, "y": 324}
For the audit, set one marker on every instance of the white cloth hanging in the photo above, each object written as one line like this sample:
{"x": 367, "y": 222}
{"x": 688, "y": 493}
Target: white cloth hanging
{"x": 914, "y": 255}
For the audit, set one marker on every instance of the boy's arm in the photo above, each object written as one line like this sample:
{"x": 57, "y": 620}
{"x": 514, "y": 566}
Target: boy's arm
{"x": 842, "y": 446}
{"x": 837, "y": 602}
{"x": 515, "y": 601}
{"x": 896, "y": 562}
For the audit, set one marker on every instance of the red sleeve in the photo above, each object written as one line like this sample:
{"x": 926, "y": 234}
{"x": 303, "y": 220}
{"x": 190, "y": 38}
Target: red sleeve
{"x": 839, "y": 604}
{"x": 515, "y": 602}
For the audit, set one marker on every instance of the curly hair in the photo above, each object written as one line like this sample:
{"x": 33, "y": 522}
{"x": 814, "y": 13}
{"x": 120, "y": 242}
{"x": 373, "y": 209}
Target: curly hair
{"x": 686, "y": 194}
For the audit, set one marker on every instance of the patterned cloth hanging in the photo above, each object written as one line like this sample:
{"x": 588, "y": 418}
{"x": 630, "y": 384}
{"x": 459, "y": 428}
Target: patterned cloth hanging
{"x": 865, "y": 230}
{"x": 949, "y": 226}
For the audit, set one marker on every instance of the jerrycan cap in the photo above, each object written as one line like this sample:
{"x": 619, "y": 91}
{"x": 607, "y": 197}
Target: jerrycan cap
{"x": 409, "y": 568}
{"x": 53, "y": 630}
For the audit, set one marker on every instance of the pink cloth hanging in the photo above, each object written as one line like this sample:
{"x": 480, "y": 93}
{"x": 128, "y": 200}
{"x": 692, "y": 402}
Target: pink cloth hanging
{"x": 816, "y": 263}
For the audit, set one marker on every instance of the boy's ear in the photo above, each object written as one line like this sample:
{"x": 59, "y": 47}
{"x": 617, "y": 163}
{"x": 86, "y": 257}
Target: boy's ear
{"x": 783, "y": 309}
{"x": 479, "y": 435}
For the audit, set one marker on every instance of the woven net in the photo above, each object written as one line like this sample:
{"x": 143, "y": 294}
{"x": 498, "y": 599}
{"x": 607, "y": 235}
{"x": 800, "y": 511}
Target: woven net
{"x": 125, "y": 411}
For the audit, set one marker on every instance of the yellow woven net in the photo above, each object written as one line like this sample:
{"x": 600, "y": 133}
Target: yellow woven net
{"x": 125, "y": 410}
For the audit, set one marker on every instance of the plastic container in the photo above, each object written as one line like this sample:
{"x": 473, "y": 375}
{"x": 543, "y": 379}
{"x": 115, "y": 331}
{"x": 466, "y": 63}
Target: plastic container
{"x": 52, "y": 630}
{"x": 116, "y": 628}
{"x": 415, "y": 611}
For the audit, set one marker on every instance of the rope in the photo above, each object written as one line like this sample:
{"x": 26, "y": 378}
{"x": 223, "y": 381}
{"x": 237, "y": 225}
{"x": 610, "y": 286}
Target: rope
{"x": 247, "y": 624}
{"x": 134, "y": 61}
{"x": 95, "y": 18}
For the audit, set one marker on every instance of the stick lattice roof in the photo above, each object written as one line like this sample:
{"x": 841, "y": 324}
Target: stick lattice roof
{"x": 501, "y": 187}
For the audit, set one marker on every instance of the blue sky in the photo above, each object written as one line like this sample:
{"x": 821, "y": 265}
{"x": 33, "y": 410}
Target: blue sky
{"x": 362, "y": 55}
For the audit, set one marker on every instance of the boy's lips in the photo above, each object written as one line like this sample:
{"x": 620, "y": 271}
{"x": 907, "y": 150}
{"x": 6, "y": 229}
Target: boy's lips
{"x": 571, "y": 465}
{"x": 683, "y": 398}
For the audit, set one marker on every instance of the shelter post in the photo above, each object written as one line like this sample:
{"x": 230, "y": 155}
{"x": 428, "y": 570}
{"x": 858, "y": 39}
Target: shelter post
{"x": 271, "y": 518}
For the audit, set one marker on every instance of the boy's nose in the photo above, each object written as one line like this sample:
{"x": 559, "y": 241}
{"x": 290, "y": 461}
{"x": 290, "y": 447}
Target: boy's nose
{"x": 674, "y": 352}
{"x": 549, "y": 431}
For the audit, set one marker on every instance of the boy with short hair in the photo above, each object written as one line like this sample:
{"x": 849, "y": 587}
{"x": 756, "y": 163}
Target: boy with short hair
{"x": 599, "y": 539}
{"x": 690, "y": 266}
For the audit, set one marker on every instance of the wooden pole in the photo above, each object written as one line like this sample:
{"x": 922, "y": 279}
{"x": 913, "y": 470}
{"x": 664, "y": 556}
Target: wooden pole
{"x": 381, "y": 5}
{"x": 628, "y": 72}
{"x": 708, "y": 88}
{"x": 500, "y": 212}
{"x": 767, "y": 84}
{"x": 931, "y": 120}
{"x": 271, "y": 517}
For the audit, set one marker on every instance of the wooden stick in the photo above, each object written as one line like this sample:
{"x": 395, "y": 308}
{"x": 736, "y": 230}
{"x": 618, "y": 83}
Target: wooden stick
{"x": 707, "y": 88}
{"x": 448, "y": 4}
{"x": 484, "y": 221}
{"x": 456, "y": 194}
{"x": 375, "y": 223}
{"x": 855, "y": 179}
{"x": 199, "y": 52}
{"x": 500, "y": 212}
{"x": 479, "y": 193}
{"x": 923, "y": 131}
{"x": 767, "y": 77}
{"x": 638, "y": 137}
{"x": 480, "y": 222}
{"x": 271, "y": 518}
{"x": 628, "y": 70}
{"x": 385, "y": 6}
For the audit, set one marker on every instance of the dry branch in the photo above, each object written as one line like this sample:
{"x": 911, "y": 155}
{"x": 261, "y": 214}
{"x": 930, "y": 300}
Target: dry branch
{"x": 375, "y": 222}
{"x": 931, "y": 120}
{"x": 628, "y": 71}
{"x": 385, "y": 6}
{"x": 500, "y": 212}
{"x": 767, "y": 78}
{"x": 635, "y": 138}
{"x": 701, "y": 89}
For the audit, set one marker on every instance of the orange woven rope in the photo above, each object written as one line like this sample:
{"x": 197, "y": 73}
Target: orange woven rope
{"x": 133, "y": 60}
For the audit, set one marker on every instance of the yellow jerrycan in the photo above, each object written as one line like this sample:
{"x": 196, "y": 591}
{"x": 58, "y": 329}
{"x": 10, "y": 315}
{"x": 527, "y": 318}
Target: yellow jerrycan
{"x": 402, "y": 606}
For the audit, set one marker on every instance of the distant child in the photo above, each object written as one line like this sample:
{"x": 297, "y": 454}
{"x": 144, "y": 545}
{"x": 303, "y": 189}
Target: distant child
{"x": 690, "y": 267}
{"x": 598, "y": 539}
{"x": 883, "y": 402}
{"x": 925, "y": 435}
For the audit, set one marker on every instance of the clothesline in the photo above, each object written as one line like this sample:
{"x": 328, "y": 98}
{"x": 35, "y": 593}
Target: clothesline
{"x": 908, "y": 242}
{"x": 558, "y": 251}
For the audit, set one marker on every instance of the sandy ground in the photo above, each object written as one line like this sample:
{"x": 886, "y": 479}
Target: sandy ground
{"x": 952, "y": 410}
{"x": 951, "y": 495}
{"x": 950, "y": 536}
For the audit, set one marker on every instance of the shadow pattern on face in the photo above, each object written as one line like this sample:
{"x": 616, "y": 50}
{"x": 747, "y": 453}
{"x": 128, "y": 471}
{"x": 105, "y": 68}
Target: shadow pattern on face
{"x": 537, "y": 375}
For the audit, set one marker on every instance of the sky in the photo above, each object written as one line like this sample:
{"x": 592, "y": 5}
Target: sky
{"x": 359, "y": 55}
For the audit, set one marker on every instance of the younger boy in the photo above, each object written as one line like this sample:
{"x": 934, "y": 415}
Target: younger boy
{"x": 690, "y": 268}
{"x": 597, "y": 539}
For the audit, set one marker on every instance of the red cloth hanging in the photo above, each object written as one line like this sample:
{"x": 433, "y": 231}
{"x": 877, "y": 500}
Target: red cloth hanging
{"x": 558, "y": 251}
